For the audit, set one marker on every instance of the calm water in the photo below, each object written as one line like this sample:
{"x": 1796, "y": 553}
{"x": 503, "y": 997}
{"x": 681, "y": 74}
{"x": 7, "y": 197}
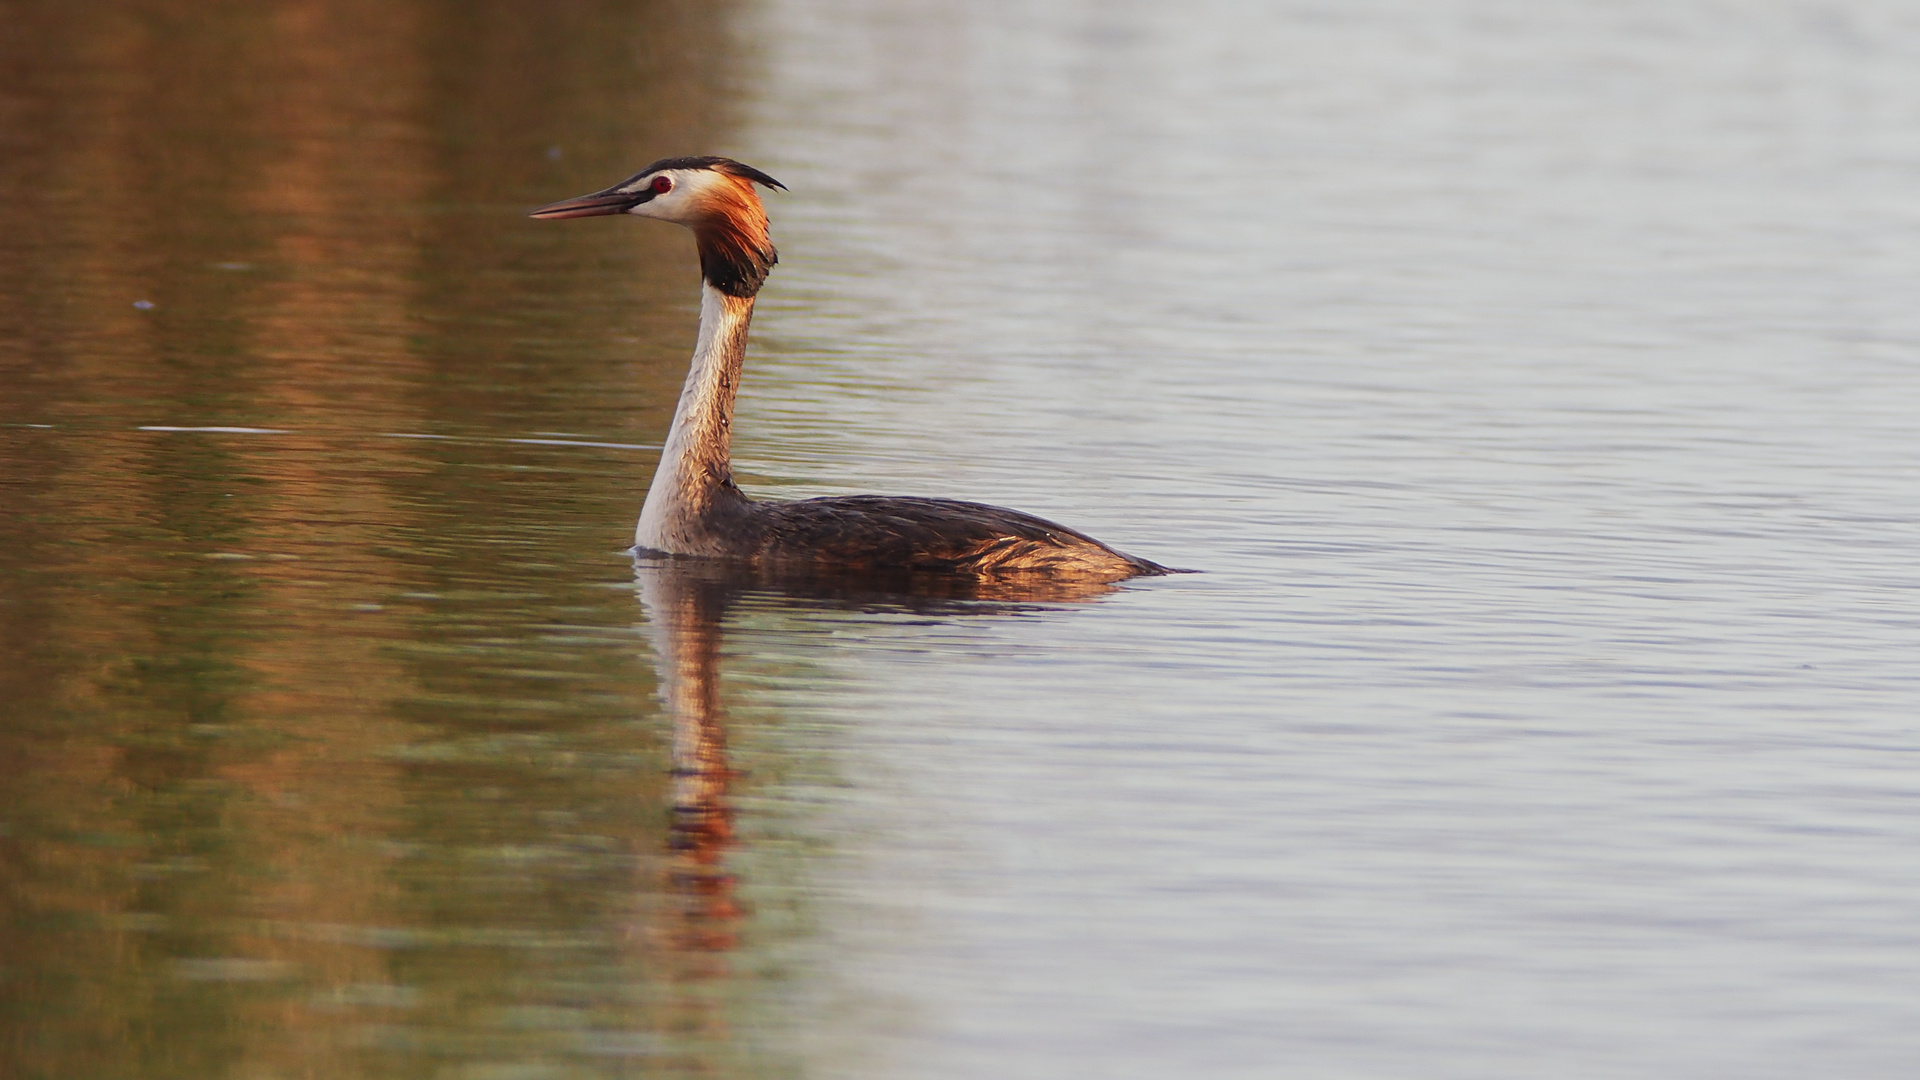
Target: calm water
{"x": 1536, "y": 385}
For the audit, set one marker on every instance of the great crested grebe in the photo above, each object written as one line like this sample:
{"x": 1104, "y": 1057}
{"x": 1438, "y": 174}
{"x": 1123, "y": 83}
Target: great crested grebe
{"x": 693, "y": 507}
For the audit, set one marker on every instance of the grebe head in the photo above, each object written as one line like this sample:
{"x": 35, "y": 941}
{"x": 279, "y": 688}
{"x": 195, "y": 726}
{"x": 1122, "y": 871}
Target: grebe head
{"x": 713, "y": 196}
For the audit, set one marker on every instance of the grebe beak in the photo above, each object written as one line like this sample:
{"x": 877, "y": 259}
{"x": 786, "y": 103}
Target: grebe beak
{"x": 610, "y": 201}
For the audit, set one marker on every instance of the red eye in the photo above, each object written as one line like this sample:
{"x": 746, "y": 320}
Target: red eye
{"x": 662, "y": 185}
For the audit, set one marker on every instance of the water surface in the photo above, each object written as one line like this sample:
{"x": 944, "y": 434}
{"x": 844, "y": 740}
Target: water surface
{"x": 1534, "y": 385}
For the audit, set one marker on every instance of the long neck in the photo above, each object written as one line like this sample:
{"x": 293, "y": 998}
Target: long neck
{"x": 695, "y": 470}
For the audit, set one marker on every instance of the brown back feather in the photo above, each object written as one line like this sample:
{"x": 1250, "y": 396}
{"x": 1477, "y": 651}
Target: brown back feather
{"x": 944, "y": 535}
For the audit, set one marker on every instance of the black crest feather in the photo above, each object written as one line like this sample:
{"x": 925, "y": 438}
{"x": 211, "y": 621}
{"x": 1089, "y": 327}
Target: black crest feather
{"x": 718, "y": 164}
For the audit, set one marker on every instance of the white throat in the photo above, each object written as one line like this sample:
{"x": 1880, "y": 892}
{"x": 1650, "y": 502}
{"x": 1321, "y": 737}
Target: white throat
{"x": 695, "y": 462}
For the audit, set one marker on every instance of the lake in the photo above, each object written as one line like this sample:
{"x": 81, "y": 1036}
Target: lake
{"x": 1536, "y": 388}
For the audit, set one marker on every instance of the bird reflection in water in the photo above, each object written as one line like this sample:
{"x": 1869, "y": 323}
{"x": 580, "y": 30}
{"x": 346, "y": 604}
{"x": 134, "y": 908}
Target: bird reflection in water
{"x": 687, "y": 602}
{"x": 684, "y": 615}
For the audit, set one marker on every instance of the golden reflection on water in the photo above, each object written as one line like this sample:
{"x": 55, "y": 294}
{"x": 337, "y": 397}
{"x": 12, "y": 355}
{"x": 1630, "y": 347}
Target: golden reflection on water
{"x": 327, "y": 751}
{"x": 286, "y": 785}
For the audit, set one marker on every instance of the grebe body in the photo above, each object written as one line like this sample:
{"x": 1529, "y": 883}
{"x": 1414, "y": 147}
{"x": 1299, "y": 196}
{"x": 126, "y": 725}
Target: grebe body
{"x": 694, "y": 509}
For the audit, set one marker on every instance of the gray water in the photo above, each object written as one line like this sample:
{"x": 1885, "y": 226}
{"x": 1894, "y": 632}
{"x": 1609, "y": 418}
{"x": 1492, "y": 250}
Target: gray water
{"x": 1534, "y": 386}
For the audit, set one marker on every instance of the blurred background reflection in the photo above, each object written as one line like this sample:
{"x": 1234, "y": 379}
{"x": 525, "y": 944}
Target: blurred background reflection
{"x": 1534, "y": 383}
{"x": 309, "y": 767}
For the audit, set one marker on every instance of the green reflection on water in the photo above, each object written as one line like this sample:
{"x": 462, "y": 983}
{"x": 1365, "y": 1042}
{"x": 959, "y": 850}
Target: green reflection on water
{"x": 327, "y": 752}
